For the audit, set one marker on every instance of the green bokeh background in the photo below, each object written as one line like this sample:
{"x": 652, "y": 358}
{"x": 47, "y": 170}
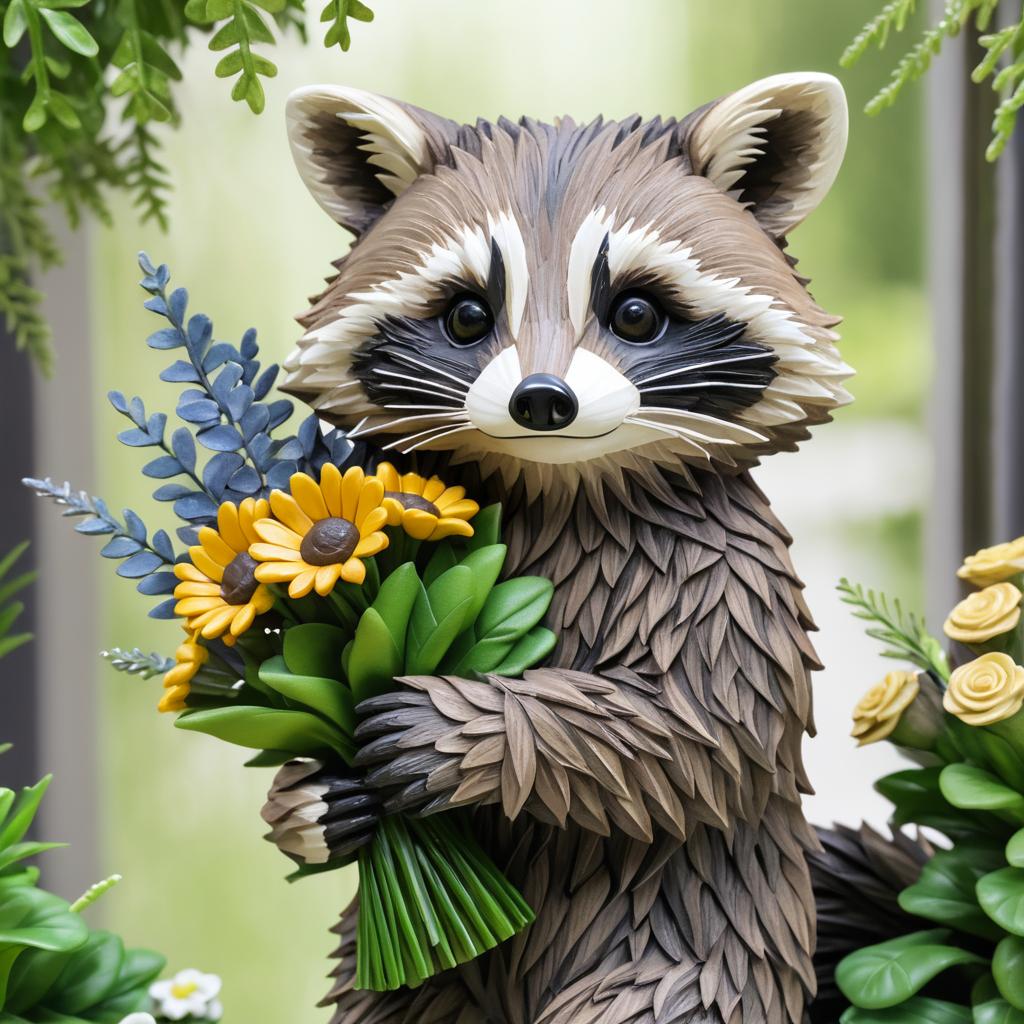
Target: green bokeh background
{"x": 180, "y": 814}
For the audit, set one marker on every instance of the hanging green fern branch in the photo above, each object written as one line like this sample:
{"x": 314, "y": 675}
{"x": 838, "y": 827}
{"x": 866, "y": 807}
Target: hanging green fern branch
{"x": 903, "y": 633}
{"x": 336, "y": 14}
{"x": 1003, "y": 62}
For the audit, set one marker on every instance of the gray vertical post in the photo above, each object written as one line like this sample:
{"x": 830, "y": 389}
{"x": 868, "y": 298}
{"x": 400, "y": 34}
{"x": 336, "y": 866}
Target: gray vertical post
{"x": 67, "y": 648}
{"x": 961, "y": 244}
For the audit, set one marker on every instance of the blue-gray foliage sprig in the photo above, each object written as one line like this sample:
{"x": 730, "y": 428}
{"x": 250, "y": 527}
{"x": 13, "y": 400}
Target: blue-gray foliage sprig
{"x": 228, "y": 407}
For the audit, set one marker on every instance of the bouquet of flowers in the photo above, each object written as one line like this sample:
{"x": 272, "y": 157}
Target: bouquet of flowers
{"x": 960, "y": 716}
{"x": 308, "y": 584}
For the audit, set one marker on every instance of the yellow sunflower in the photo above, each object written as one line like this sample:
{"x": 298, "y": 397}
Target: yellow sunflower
{"x": 321, "y": 532}
{"x": 219, "y": 592}
{"x": 189, "y": 658}
{"x": 425, "y": 509}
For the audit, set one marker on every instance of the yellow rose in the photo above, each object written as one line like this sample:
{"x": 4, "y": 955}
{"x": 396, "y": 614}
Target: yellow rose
{"x": 993, "y": 565}
{"x": 984, "y": 614}
{"x": 986, "y": 690}
{"x": 878, "y": 712}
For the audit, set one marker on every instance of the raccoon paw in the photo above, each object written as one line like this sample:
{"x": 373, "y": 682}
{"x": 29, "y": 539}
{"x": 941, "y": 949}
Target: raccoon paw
{"x": 320, "y": 814}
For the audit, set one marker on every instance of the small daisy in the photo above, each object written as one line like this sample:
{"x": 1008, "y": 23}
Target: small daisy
{"x": 189, "y": 993}
{"x": 425, "y": 509}
{"x": 219, "y": 592}
{"x": 189, "y": 657}
{"x": 321, "y": 531}
{"x": 138, "y": 1018}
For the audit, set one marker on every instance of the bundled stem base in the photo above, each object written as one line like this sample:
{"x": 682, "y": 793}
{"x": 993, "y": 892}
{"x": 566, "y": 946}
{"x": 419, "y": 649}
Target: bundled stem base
{"x": 429, "y": 899}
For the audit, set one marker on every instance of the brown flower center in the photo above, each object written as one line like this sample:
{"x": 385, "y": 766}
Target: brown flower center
{"x": 239, "y": 582}
{"x": 329, "y": 542}
{"x": 407, "y": 500}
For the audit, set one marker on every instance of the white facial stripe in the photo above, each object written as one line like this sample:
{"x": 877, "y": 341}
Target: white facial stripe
{"x": 324, "y": 355}
{"x": 582, "y": 253}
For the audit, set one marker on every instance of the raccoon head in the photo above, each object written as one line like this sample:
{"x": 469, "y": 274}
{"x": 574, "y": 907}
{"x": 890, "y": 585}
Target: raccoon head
{"x": 580, "y": 296}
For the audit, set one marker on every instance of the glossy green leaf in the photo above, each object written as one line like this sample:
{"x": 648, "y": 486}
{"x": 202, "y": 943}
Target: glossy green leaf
{"x": 486, "y": 528}
{"x": 1001, "y": 895}
{"x": 1015, "y": 849}
{"x": 996, "y": 1011}
{"x": 89, "y": 976}
{"x": 972, "y": 788}
{"x": 314, "y": 649}
{"x": 395, "y": 600}
{"x": 514, "y": 607}
{"x": 23, "y": 812}
{"x": 919, "y": 1010}
{"x": 886, "y": 974}
{"x": 374, "y": 661}
{"x": 438, "y": 616}
{"x": 15, "y": 23}
{"x": 330, "y": 697}
{"x": 528, "y": 651}
{"x": 485, "y": 564}
{"x": 1008, "y": 970}
{"x": 269, "y": 759}
{"x": 945, "y": 890}
{"x": 442, "y": 559}
{"x": 70, "y": 32}
{"x": 20, "y": 851}
{"x": 266, "y": 729}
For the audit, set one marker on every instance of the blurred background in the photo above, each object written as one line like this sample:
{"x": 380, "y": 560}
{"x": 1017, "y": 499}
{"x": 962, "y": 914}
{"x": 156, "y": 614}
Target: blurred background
{"x": 176, "y": 813}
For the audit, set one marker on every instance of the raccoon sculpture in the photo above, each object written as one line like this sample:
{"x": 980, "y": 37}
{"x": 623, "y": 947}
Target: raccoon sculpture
{"x": 597, "y": 325}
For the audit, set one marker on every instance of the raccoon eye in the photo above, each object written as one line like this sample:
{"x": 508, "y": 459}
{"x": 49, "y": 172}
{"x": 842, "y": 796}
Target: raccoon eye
{"x": 468, "y": 321}
{"x": 636, "y": 318}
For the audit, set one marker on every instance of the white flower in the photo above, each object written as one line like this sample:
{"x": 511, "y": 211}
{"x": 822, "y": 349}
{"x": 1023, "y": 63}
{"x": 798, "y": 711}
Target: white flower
{"x": 190, "y": 993}
{"x": 139, "y": 1018}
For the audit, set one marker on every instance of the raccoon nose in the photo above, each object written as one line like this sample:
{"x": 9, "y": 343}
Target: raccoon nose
{"x": 543, "y": 402}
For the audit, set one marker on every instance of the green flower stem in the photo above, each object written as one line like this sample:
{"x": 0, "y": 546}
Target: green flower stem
{"x": 93, "y": 893}
{"x": 39, "y": 70}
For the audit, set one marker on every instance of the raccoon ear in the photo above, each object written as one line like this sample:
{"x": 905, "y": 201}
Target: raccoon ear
{"x": 776, "y": 145}
{"x": 357, "y": 151}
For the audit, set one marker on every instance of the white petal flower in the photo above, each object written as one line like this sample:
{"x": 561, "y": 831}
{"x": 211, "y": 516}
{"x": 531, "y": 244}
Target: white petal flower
{"x": 190, "y": 993}
{"x": 139, "y": 1018}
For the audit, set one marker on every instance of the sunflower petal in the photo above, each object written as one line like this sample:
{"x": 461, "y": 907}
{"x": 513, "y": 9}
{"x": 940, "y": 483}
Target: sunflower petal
{"x": 218, "y": 622}
{"x": 369, "y": 499}
{"x": 187, "y": 571}
{"x": 326, "y": 577}
{"x": 451, "y": 528}
{"x": 353, "y": 571}
{"x": 435, "y": 490}
{"x": 370, "y": 545}
{"x": 330, "y": 486}
{"x": 229, "y": 527}
{"x": 394, "y": 509}
{"x": 243, "y": 619}
{"x": 274, "y": 553}
{"x": 464, "y": 509}
{"x": 413, "y": 483}
{"x": 388, "y": 476}
{"x": 419, "y": 524}
{"x": 189, "y": 588}
{"x": 206, "y": 564}
{"x": 375, "y": 521}
{"x": 303, "y": 583}
{"x": 306, "y": 491}
{"x": 351, "y": 487}
{"x": 274, "y": 532}
{"x": 262, "y": 600}
{"x": 285, "y": 508}
{"x": 278, "y": 572}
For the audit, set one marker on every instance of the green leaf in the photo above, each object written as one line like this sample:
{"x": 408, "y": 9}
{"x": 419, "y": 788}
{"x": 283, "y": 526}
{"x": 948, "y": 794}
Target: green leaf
{"x": 972, "y": 788}
{"x": 1008, "y": 970}
{"x": 442, "y": 559}
{"x": 919, "y": 1010}
{"x": 70, "y": 32}
{"x": 917, "y": 798}
{"x": 330, "y": 697}
{"x": 15, "y": 24}
{"x": 886, "y": 974}
{"x": 1001, "y": 895}
{"x": 229, "y": 65}
{"x": 395, "y": 600}
{"x": 997, "y": 1011}
{"x": 515, "y": 607}
{"x": 314, "y": 649}
{"x": 63, "y": 111}
{"x": 486, "y": 528}
{"x": 89, "y": 976}
{"x": 16, "y": 824}
{"x": 374, "y": 660}
{"x": 530, "y": 650}
{"x": 1015, "y": 849}
{"x": 35, "y": 117}
{"x": 944, "y": 892}
{"x": 438, "y": 616}
{"x": 485, "y": 564}
{"x": 266, "y": 729}
{"x": 21, "y": 851}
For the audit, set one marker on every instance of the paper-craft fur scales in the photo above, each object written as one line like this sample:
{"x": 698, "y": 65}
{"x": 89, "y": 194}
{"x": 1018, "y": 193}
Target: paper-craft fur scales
{"x": 598, "y": 325}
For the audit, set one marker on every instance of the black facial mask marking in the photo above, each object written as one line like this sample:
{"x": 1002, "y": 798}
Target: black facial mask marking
{"x": 702, "y": 366}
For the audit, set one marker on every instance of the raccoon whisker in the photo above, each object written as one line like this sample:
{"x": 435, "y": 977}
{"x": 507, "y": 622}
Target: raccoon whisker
{"x": 699, "y": 384}
{"x": 689, "y": 368}
{"x": 419, "y": 380}
{"x": 427, "y": 436}
{"x": 686, "y": 416}
{"x": 679, "y": 433}
{"x": 446, "y": 419}
{"x": 404, "y": 357}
